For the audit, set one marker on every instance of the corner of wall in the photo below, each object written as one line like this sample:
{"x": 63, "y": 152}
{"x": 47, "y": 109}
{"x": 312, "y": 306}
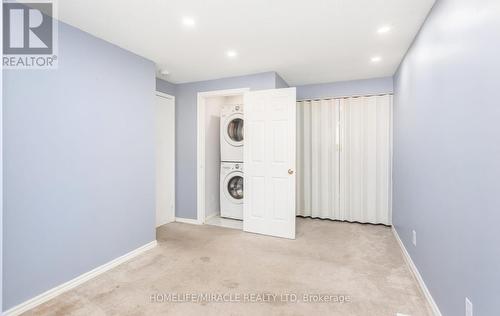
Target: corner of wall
{"x": 165, "y": 86}
{"x": 279, "y": 81}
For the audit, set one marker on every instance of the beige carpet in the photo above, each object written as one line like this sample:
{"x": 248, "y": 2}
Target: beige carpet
{"x": 359, "y": 264}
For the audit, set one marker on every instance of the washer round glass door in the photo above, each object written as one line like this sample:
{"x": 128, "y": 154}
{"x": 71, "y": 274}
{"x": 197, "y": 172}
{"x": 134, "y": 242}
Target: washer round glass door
{"x": 234, "y": 187}
{"x": 234, "y": 130}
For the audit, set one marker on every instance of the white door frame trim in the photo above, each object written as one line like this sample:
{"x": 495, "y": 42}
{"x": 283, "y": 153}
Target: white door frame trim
{"x": 170, "y": 97}
{"x": 200, "y": 143}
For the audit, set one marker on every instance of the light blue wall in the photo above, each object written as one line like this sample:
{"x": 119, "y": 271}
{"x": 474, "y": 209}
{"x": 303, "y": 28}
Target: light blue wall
{"x": 185, "y": 132}
{"x": 345, "y": 88}
{"x": 78, "y": 164}
{"x": 165, "y": 87}
{"x": 447, "y": 154}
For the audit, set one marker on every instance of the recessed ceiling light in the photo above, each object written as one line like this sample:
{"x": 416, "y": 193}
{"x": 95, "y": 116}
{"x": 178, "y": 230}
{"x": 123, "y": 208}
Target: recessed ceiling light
{"x": 231, "y": 53}
{"x": 164, "y": 72}
{"x": 376, "y": 59}
{"x": 188, "y": 21}
{"x": 384, "y": 29}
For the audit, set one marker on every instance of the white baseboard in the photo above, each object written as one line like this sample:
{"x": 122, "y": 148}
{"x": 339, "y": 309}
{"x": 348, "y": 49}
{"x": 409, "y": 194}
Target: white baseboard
{"x": 58, "y": 290}
{"x": 169, "y": 220}
{"x": 209, "y": 217}
{"x": 416, "y": 274}
{"x": 188, "y": 221}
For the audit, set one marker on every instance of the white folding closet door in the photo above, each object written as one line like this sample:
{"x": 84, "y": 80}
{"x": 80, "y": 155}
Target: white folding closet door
{"x": 269, "y": 160}
{"x": 318, "y": 162}
{"x": 365, "y": 159}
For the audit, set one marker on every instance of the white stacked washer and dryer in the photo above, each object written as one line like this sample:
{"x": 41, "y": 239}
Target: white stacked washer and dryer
{"x": 231, "y": 170}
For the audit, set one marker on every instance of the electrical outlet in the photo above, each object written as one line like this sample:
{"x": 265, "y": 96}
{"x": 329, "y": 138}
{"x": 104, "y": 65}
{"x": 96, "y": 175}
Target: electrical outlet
{"x": 414, "y": 238}
{"x": 468, "y": 307}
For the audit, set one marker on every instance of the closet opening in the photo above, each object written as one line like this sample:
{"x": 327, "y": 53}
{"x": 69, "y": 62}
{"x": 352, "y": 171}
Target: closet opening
{"x": 344, "y": 159}
{"x": 220, "y": 190}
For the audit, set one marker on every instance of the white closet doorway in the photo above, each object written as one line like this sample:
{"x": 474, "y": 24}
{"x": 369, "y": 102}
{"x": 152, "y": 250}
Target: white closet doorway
{"x": 165, "y": 158}
{"x": 344, "y": 159}
{"x": 209, "y": 108}
{"x": 268, "y": 165}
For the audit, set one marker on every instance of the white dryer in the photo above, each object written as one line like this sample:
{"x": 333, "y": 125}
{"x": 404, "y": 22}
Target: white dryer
{"x": 231, "y": 133}
{"x": 231, "y": 190}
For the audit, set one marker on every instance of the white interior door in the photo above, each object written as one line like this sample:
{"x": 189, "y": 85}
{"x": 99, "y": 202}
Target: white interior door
{"x": 269, "y": 162}
{"x": 165, "y": 158}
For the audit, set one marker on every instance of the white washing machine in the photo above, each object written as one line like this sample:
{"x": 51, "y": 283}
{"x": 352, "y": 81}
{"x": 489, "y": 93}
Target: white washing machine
{"x": 231, "y": 190}
{"x": 231, "y": 133}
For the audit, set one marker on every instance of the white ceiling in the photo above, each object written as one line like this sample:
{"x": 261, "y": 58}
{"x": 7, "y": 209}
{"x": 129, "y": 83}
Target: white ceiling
{"x": 305, "y": 41}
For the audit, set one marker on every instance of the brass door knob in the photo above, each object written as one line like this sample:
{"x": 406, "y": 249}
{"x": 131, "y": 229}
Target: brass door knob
{"x": 290, "y": 171}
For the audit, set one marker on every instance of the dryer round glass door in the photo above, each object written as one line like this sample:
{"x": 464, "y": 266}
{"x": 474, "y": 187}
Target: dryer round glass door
{"x": 234, "y": 130}
{"x": 234, "y": 187}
